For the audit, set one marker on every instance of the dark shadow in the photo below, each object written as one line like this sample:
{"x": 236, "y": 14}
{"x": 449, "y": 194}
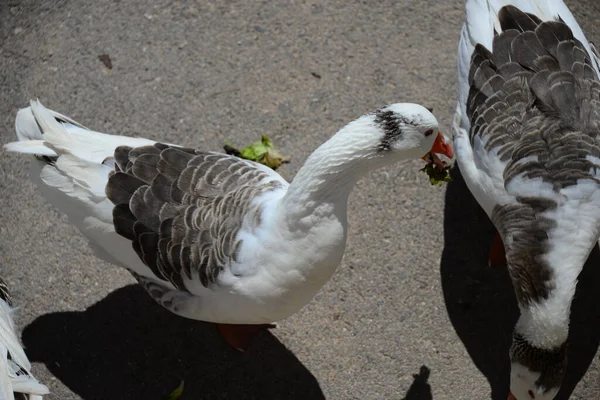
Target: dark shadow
{"x": 481, "y": 303}
{"x": 126, "y": 346}
{"x": 420, "y": 389}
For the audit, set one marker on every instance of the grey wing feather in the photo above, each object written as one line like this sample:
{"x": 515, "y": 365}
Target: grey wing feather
{"x": 4, "y": 292}
{"x": 182, "y": 208}
{"x": 536, "y": 99}
{"x": 595, "y": 54}
{"x": 174, "y": 301}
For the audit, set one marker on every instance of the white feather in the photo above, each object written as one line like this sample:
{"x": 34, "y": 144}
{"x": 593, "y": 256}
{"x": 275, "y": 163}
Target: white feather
{"x": 37, "y": 147}
{"x": 76, "y": 181}
{"x": 88, "y": 145}
{"x": 10, "y": 381}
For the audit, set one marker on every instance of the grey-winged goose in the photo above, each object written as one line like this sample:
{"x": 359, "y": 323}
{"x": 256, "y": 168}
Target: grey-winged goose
{"x": 210, "y": 236}
{"x": 526, "y": 134}
{"x": 15, "y": 368}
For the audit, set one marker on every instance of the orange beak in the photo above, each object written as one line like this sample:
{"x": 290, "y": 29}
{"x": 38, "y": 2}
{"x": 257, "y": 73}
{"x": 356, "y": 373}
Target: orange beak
{"x": 441, "y": 147}
{"x": 511, "y": 397}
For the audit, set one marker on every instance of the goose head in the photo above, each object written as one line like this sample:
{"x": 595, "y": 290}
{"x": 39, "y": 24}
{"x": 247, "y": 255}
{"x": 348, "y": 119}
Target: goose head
{"x": 408, "y": 130}
{"x": 535, "y": 373}
{"x": 391, "y": 134}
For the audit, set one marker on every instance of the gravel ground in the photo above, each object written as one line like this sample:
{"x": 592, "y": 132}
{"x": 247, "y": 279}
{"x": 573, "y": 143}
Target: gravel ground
{"x": 412, "y": 313}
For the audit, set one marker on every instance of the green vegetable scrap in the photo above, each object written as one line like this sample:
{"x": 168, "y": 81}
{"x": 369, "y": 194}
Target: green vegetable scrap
{"x": 261, "y": 151}
{"x": 175, "y": 394}
{"x": 437, "y": 175}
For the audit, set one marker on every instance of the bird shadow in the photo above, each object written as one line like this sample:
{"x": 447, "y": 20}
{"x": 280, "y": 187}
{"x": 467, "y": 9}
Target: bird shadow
{"x": 481, "y": 303}
{"x": 126, "y": 346}
{"x": 420, "y": 389}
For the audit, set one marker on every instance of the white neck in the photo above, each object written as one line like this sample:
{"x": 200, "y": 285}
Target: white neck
{"x": 323, "y": 184}
{"x": 546, "y": 324}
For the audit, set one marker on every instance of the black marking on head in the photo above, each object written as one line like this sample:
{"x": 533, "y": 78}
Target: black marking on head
{"x": 390, "y": 122}
{"x": 551, "y": 364}
{"x": 4, "y": 292}
{"x": 525, "y": 234}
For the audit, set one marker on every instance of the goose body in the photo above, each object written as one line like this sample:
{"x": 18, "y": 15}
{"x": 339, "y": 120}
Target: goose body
{"x": 210, "y": 236}
{"x": 15, "y": 368}
{"x": 526, "y": 133}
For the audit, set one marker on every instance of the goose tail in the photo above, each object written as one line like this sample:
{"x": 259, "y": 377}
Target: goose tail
{"x": 482, "y": 21}
{"x": 15, "y": 368}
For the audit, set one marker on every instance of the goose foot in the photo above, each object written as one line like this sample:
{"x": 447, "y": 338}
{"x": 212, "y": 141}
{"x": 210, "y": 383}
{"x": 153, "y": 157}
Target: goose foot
{"x": 240, "y": 336}
{"x": 497, "y": 257}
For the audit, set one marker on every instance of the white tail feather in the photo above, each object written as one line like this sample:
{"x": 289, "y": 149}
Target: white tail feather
{"x": 64, "y": 135}
{"x": 75, "y": 180}
{"x": 37, "y": 147}
{"x": 8, "y": 337}
{"x": 10, "y": 381}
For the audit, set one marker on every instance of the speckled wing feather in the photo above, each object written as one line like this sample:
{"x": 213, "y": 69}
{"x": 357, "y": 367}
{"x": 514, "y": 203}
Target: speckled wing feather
{"x": 536, "y": 94}
{"x": 4, "y": 293}
{"x": 595, "y": 55}
{"x": 535, "y": 99}
{"x": 182, "y": 208}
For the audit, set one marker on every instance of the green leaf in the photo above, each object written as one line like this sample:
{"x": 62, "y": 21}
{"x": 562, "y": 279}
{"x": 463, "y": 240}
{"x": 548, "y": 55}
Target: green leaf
{"x": 266, "y": 141}
{"x": 175, "y": 394}
{"x": 437, "y": 175}
{"x": 261, "y": 151}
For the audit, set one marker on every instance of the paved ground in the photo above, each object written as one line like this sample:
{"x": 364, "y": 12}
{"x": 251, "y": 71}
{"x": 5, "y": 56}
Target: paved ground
{"x": 412, "y": 313}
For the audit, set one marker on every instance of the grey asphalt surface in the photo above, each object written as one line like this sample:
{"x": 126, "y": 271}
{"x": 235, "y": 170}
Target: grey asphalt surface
{"x": 412, "y": 313}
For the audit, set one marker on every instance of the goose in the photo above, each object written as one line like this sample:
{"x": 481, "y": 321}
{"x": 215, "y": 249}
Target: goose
{"x": 15, "y": 368}
{"x": 526, "y": 136}
{"x": 210, "y": 236}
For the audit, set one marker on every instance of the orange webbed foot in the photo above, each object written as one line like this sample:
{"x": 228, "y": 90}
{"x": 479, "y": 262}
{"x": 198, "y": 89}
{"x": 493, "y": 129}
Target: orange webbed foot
{"x": 497, "y": 257}
{"x": 239, "y": 336}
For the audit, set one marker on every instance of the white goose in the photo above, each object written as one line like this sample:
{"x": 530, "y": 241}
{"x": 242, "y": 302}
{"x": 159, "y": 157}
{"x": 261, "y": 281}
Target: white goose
{"x": 214, "y": 237}
{"x": 526, "y": 135}
{"x": 15, "y": 368}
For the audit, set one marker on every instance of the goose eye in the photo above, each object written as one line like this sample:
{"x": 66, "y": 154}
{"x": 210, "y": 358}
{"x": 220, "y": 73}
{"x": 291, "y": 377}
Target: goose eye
{"x": 428, "y": 132}
{"x": 530, "y": 392}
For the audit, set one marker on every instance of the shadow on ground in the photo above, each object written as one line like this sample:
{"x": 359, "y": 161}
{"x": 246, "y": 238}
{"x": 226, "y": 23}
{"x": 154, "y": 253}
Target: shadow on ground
{"x": 481, "y": 302}
{"x": 126, "y": 346}
{"x": 420, "y": 389}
